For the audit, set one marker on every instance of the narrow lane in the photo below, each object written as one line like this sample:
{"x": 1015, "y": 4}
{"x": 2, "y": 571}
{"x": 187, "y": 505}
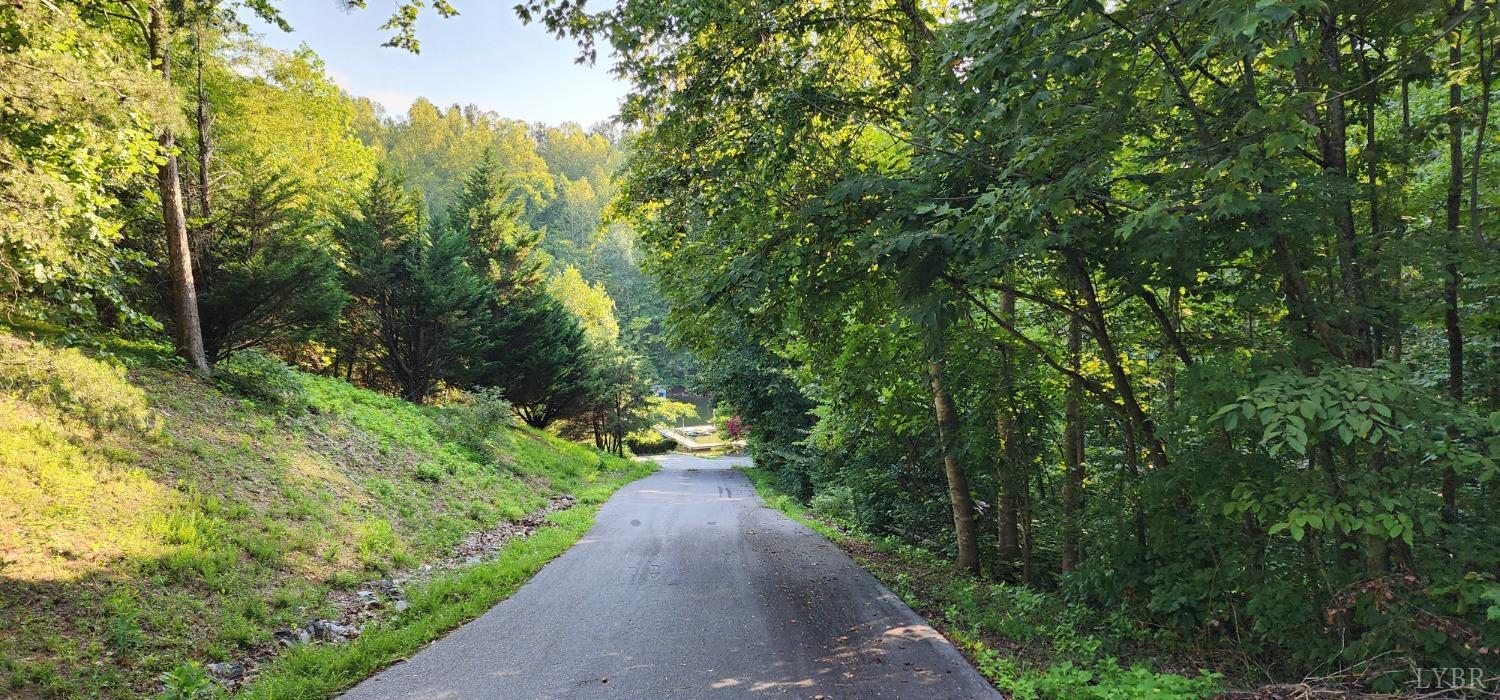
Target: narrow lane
{"x": 690, "y": 587}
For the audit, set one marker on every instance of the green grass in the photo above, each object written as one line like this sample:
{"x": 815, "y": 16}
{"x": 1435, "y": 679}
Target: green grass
{"x": 317, "y": 671}
{"x": 152, "y": 519}
{"x": 1028, "y": 643}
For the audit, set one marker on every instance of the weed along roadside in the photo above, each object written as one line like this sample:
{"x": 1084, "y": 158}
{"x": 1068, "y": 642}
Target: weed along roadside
{"x": 382, "y": 601}
{"x": 268, "y": 532}
{"x": 435, "y": 606}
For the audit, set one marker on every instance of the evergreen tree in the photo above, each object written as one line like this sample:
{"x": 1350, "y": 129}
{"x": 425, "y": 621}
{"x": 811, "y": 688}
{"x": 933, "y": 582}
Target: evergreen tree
{"x": 529, "y": 346}
{"x": 501, "y": 246}
{"x": 413, "y": 281}
{"x": 267, "y": 276}
{"x": 535, "y": 352}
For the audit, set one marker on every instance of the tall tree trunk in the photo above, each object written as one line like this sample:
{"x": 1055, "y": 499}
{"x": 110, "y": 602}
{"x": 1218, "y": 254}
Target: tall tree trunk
{"x": 1486, "y": 66}
{"x": 1010, "y": 479}
{"x": 1454, "y": 279}
{"x": 189, "y": 337}
{"x": 1027, "y": 541}
{"x": 1072, "y": 486}
{"x": 1174, "y": 308}
{"x": 1335, "y": 152}
{"x": 205, "y": 145}
{"x": 948, "y": 433}
{"x": 1123, "y": 386}
{"x": 1486, "y": 81}
{"x": 1133, "y": 468}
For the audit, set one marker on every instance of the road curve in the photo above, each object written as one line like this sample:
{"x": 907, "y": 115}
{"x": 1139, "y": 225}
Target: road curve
{"x": 690, "y": 587}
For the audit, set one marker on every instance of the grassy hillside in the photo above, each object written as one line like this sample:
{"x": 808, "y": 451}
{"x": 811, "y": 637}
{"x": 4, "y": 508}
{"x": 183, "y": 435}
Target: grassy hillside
{"x": 150, "y": 518}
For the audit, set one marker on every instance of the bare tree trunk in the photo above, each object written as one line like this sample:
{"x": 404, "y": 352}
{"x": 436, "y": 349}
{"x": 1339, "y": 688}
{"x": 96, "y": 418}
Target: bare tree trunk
{"x": 1454, "y": 279}
{"x": 948, "y": 429}
{"x": 204, "y": 122}
{"x": 1072, "y": 486}
{"x": 1010, "y": 479}
{"x": 189, "y": 338}
{"x": 1123, "y": 386}
{"x": 1335, "y": 152}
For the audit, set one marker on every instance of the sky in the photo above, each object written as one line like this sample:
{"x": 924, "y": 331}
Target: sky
{"x": 484, "y": 56}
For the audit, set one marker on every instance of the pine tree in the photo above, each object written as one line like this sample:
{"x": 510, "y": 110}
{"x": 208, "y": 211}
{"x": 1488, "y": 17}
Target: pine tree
{"x": 414, "y": 282}
{"x": 501, "y": 246}
{"x": 269, "y": 277}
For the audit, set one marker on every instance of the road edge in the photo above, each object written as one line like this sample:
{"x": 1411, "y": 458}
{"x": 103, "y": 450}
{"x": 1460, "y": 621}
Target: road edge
{"x": 1007, "y": 666}
{"x": 439, "y": 606}
{"x": 775, "y": 499}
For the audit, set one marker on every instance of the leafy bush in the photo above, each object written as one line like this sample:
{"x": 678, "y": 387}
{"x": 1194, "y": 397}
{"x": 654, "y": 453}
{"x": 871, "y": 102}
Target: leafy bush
{"x": 483, "y": 409}
{"x": 837, "y": 503}
{"x": 185, "y": 682}
{"x": 261, "y": 376}
{"x": 648, "y": 442}
{"x": 428, "y": 472}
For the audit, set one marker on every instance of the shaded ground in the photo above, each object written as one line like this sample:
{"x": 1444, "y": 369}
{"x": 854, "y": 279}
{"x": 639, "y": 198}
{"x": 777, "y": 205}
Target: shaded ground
{"x": 689, "y": 587}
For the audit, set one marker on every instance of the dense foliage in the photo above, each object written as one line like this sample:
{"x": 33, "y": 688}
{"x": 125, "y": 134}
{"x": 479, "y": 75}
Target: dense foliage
{"x": 1186, "y": 309}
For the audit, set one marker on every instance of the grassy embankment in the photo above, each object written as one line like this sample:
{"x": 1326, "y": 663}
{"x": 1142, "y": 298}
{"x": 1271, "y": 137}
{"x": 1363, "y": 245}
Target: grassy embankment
{"x": 1028, "y": 643}
{"x": 151, "y": 519}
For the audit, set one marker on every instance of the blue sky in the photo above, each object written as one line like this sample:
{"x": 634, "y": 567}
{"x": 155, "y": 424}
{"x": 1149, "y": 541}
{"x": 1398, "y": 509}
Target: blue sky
{"x": 483, "y": 56}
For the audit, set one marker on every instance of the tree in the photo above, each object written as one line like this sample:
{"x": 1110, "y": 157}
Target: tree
{"x": 270, "y": 278}
{"x": 589, "y": 303}
{"x": 187, "y": 330}
{"x": 281, "y": 112}
{"x": 501, "y": 246}
{"x": 618, "y": 401}
{"x": 442, "y": 148}
{"x": 536, "y": 354}
{"x": 413, "y": 280}
{"x": 75, "y": 128}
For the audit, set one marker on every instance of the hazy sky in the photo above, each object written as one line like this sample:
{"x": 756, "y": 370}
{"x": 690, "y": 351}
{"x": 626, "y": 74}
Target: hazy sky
{"x": 484, "y": 56}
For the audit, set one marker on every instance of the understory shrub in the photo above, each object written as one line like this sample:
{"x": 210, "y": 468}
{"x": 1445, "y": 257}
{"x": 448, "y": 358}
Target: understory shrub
{"x": 258, "y": 375}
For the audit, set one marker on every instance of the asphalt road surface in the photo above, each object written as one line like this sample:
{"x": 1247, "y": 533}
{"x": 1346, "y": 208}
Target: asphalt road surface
{"x": 689, "y": 587}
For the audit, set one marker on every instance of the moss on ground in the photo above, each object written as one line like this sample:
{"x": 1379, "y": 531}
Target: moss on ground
{"x": 150, "y": 518}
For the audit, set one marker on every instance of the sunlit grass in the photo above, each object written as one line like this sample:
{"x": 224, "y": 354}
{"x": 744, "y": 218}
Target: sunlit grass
{"x": 443, "y": 604}
{"x": 149, "y": 518}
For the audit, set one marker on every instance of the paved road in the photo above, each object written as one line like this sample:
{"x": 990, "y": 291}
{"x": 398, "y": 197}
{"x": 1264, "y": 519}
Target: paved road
{"x": 689, "y": 587}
